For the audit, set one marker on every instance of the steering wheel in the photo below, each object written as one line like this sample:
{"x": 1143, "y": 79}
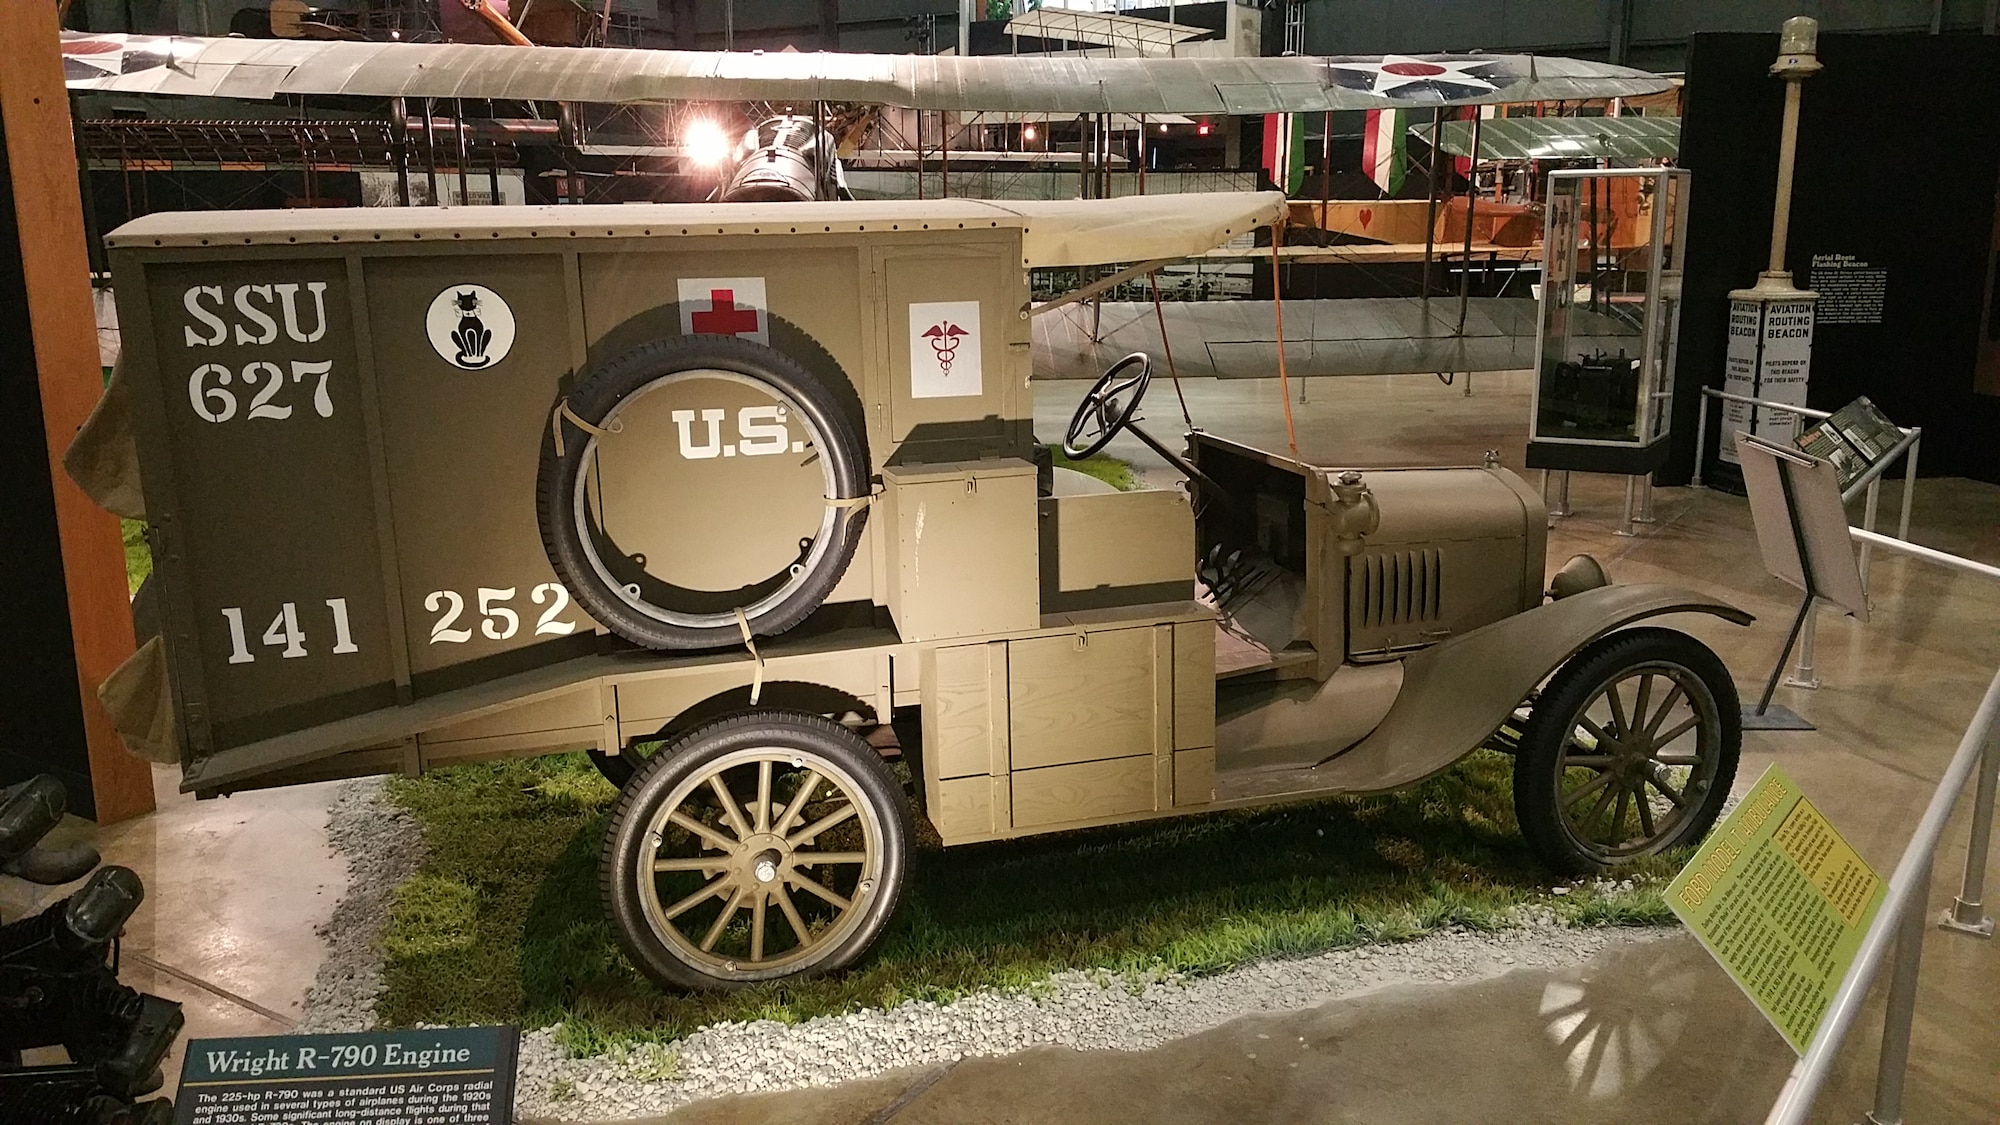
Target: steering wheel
{"x": 1107, "y": 409}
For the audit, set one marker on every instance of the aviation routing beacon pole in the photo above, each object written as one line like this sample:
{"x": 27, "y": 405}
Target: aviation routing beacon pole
{"x": 1771, "y": 323}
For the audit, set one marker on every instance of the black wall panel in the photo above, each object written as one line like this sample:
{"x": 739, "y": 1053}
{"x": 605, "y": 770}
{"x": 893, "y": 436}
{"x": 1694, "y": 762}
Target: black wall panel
{"x": 1898, "y": 161}
{"x": 41, "y": 718}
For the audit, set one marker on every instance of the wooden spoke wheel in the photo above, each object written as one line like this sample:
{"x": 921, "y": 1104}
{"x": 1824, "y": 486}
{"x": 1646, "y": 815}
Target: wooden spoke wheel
{"x": 1630, "y": 751}
{"x": 757, "y": 846}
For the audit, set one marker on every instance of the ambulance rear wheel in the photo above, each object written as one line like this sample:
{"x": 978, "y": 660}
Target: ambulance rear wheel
{"x": 757, "y": 846}
{"x": 618, "y": 586}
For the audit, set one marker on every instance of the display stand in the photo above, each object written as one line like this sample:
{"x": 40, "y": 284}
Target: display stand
{"x": 1802, "y": 532}
{"x": 1610, "y": 315}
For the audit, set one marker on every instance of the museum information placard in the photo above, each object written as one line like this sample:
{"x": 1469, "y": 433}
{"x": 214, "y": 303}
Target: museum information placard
{"x": 1850, "y": 290}
{"x": 445, "y": 1076}
{"x": 1781, "y": 901}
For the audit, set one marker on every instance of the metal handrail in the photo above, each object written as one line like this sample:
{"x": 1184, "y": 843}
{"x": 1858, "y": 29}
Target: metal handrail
{"x": 1768, "y": 404}
{"x": 1929, "y": 554}
{"x": 1901, "y": 916}
{"x": 1911, "y": 448}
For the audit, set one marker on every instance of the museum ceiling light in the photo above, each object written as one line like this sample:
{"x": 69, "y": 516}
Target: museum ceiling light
{"x": 705, "y": 142}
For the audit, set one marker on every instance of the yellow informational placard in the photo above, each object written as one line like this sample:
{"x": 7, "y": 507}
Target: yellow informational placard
{"x": 1781, "y": 901}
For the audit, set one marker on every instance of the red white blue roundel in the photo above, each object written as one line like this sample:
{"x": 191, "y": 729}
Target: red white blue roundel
{"x": 107, "y": 56}
{"x": 1426, "y": 79}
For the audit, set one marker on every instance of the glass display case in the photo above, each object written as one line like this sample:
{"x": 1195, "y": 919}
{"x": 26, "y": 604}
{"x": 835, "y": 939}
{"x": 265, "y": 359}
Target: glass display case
{"x": 1610, "y": 311}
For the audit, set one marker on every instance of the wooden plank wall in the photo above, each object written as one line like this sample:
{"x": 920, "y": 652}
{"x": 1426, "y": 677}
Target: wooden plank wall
{"x": 34, "y": 108}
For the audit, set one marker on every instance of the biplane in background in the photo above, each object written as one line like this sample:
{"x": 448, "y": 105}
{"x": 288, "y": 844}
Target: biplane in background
{"x": 428, "y": 121}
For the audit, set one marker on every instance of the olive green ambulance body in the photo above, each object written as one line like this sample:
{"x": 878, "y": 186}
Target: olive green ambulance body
{"x": 436, "y": 486}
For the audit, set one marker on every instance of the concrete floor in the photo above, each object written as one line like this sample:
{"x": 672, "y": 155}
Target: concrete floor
{"x": 1651, "y": 1032}
{"x": 234, "y": 891}
{"x": 1643, "y": 1033}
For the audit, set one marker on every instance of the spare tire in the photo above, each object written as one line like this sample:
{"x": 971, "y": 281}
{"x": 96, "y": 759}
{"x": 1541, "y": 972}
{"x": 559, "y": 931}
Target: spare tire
{"x": 693, "y": 486}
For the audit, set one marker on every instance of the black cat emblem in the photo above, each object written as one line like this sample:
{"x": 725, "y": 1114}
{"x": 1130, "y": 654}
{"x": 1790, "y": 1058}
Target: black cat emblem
{"x": 471, "y": 337}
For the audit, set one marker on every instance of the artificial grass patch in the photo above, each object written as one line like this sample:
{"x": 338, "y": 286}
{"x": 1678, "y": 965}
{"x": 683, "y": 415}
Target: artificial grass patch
{"x": 1112, "y": 471}
{"x": 503, "y": 923}
{"x": 138, "y": 555}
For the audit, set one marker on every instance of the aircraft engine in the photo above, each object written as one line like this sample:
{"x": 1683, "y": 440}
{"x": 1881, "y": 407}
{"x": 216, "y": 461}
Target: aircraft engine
{"x": 785, "y": 158}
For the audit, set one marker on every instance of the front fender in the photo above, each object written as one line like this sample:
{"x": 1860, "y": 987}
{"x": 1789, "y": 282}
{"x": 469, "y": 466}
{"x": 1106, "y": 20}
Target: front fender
{"x": 1457, "y": 692}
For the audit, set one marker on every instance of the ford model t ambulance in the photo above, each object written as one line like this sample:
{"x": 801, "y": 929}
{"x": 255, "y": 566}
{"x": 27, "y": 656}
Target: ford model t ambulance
{"x": 735, "y": 497}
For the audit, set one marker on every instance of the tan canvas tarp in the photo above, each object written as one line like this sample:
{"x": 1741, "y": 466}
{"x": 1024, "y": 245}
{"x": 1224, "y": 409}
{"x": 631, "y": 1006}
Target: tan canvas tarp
{"x": 1079, "y": 232}
{"x": 141, "y": 705}
{"x": 1068, "y": 232}
{"x": 103, "y": 459}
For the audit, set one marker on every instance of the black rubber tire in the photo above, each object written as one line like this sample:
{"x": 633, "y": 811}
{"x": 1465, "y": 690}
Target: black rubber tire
{"x": 658, "y": 776}
{"x": 1537, "y": 786}
{"x": 843, "y": 447}
{"x": 616, "y": 769}
{"x": 778, "y": 695}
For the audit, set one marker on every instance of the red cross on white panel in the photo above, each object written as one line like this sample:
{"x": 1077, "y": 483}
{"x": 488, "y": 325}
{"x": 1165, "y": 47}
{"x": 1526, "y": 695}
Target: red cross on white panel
{"x": 725, "y": 306}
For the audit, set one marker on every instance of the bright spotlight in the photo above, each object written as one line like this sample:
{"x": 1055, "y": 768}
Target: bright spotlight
{"x": 705, "y": 143}
{"x": 1027, "y": 132}
{"x": 1163, "y": 128}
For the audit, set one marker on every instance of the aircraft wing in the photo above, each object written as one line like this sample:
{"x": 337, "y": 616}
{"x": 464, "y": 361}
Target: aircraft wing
{"x": 1561, "y": 138}
{"x": 268, "y": 68}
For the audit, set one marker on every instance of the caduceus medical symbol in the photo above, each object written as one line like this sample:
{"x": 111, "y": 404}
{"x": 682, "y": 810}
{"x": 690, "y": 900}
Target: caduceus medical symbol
{"x": 471, "y": 337}
{"x": 944, "y": 337}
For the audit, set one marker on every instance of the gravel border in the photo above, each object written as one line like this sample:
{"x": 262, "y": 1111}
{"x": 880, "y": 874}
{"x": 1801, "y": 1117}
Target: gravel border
{"x": 384, "y": 846}
{"x": 1076, "y": 1009}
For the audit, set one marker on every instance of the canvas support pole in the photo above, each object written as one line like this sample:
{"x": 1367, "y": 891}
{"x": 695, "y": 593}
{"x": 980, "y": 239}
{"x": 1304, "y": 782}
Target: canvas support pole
{"x": 1141, "y": 149}
{"x": 1327, "y": 163}
{"x": 399, "y": 128}
{"x": 493, "y": 168}
{"x": 464, "y": 173}
{"x": 1431, "y": 212}
{"x": 1471, "y": 209}
{"x": 430, "y": 148}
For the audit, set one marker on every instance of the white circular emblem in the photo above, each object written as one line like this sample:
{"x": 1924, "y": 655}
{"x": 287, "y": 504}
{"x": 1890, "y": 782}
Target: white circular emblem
{"x": 470, "y": 326}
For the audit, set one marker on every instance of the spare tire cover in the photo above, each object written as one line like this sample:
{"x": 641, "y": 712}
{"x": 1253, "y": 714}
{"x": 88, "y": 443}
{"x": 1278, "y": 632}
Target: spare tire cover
{"x": 684, "y": 492}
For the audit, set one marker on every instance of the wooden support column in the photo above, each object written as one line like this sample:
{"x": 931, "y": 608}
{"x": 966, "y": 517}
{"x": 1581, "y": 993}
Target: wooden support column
{"x": 55, "y": 362}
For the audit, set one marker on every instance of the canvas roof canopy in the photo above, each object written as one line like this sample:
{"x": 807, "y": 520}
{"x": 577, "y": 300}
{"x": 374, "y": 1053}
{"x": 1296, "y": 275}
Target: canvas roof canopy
{"x": 1071, "y": 232}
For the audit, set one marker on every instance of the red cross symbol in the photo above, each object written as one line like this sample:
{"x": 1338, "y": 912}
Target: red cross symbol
{"x": 723, "y": 318}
